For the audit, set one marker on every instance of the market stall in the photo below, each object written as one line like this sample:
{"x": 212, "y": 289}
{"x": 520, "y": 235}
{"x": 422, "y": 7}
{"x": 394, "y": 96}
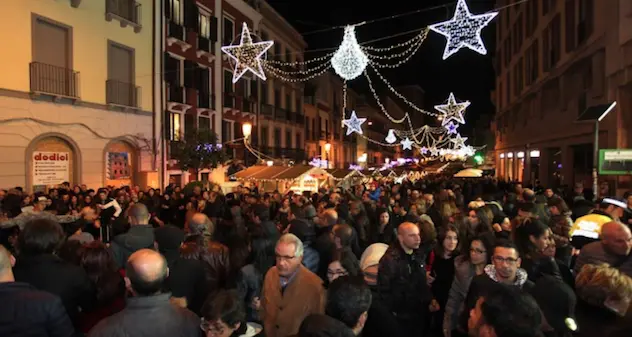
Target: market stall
{"x": 345, "y": 178}
{"x": 297, "y": 178}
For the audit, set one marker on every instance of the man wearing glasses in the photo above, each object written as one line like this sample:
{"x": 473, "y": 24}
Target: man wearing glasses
{"x": 290, "y": 291}
{"x": 505, "y": 269}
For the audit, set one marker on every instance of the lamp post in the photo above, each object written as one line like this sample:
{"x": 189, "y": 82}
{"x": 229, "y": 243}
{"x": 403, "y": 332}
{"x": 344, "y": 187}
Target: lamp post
{"x": 246, "y": 129}
{"x": 327, "y": 149}
{"x": 595, "y": 174}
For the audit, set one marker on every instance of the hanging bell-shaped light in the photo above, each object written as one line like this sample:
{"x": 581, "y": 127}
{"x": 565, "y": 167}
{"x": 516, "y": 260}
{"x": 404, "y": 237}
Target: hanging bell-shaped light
{"x": 390, "y": 137}
{"x": 349, "y": 61}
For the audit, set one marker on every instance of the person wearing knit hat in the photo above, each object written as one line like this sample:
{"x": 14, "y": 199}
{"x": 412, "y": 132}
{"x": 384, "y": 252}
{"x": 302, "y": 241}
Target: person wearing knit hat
{"x": 370, "y": 261}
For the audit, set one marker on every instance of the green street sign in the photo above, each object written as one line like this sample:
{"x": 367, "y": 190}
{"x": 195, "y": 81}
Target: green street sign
{"x": 615, "y": 162}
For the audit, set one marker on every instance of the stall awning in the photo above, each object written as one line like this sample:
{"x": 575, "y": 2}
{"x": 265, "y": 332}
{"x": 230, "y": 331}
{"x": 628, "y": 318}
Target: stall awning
{"x": 297, "y": 171}
{"x": 247, "y": 173}
{"x": 343, "y": 173}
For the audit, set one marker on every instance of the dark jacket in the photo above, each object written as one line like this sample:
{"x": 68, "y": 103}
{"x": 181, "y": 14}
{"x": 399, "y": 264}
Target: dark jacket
{"x": 402, "y": 282}
{"x": 28, "y": 312}
{"x": 56, "y": 276}
{"x": 486, "y": 283}
{"x": 151, "y": 316}
{"x": 138, "y": 237}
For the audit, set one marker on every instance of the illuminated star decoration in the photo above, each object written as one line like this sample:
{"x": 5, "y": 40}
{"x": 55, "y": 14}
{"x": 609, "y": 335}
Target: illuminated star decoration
{"x": 451, "y": 127}
{"x": 400, "y": 179}
{"x": 354, "y": 123}
{"x": 463, "y": 30}
{"x": 423, "y": 150}
{"x": 407, "y": 144}
{"x": 459, "y": 142}
{"x": 247, "y": 55}
{"x": 434, "y": 151}
{"x": 390, "y": 138}
{"x": 452, "y": 111}
{"x": 349, "y": 61}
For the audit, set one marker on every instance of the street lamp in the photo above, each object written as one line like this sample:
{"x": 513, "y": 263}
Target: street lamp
{"x": 327, "y": 148}
{"x": 246, "y": 129}
{"x": 596, "y": 114}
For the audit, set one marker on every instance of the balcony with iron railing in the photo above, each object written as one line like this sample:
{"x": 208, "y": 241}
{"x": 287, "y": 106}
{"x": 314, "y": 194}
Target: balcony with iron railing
{"x": 229, "y": 100}
{"x": 248, "y": 105}
{"x": 324, "y": 135}
{"x": 267, "y": 110}
{"x": 53, "y": 80}
{"x": 175, "y": 31}
{"x": 175, "y": 93}
{"x": 205, "y": 45}
{"x": 122, "y": 94}
{"x": 206, "y": 100}
{"x": 128, "y": 12}
{"x": 279, "y": 114}
{"x": 289, "y": 116}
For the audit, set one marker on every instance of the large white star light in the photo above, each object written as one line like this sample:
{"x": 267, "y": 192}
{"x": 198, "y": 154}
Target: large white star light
{"x": 354, "y": 123}
{"x": 463, "y": 30}
{"x": 407, "y": 144}
{"x": 247, "y": 55}
{"x": 452, "y": 111}
{"x": 349, "y": 61}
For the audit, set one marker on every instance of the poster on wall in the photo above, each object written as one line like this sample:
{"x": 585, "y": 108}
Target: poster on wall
{"x": 50, "y": 168}
{"x": 117, "y": 165}
{"x": 615, "y": 162}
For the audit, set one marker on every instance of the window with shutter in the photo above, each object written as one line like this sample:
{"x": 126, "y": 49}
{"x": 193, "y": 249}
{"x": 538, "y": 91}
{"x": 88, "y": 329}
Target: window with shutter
{"x": 191, "y": 15}
{"x": 204, "y": 25}
{"x": 213, "y": 29}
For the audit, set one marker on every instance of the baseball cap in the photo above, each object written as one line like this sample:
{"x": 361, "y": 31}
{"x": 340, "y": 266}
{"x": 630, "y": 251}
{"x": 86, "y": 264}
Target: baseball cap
{"x": 616, "y": 202}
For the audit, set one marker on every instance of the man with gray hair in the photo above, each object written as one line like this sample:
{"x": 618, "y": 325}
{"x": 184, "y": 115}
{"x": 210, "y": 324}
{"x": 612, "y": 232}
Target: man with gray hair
{"x": 290, "y": 291}
{"x": 200, "y": 224}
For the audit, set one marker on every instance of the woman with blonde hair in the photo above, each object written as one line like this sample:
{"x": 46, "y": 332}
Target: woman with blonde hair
{"x": 604, "y": 297}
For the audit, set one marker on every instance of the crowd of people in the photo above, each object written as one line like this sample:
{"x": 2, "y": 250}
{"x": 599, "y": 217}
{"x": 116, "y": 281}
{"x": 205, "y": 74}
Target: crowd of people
{"x": 435, "y": 257}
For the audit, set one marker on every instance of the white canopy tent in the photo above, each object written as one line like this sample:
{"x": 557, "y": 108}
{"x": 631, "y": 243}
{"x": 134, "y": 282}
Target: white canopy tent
{"x": 469, "y": 173}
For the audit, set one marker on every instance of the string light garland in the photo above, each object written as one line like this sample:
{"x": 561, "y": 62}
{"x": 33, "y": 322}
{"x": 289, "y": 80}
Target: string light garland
{"x": 463, "y": 30}
{"x": 354, "y": 124}
{"x": 247, "y": 55}
{"x": 452, "y": 111}
{"x": 349, "y": 61}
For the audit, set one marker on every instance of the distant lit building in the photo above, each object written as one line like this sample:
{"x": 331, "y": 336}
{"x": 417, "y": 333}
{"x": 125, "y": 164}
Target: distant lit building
{"x": 77, "y": 89}
{"x": 554, "y": 59}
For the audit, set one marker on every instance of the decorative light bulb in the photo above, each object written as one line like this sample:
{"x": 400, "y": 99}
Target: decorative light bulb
{"x": 349, "y": 61}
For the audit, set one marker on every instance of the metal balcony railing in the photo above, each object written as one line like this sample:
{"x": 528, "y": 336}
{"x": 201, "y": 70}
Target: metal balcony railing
{"x": 206, "y": 100}
{"x": 229, "y": 100}
{"x": 128, "y": 10}
{"x": 54, "y": 80}
{"x": 267, "y": 110}
{"x": 123, "y": 94}
{"x": 205, "y": 44}
{"x": 300, "y": 119}
{"x": 175, "y": 94}
{"x": 279, "y": 113}
{"x": 175, "y": 30}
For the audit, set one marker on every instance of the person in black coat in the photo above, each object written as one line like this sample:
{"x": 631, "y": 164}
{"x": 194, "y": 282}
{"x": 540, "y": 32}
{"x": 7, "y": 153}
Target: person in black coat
{"x": 402, "y": 280}
{"x": 26, "y": 311}
{"x": 38, "y": 265}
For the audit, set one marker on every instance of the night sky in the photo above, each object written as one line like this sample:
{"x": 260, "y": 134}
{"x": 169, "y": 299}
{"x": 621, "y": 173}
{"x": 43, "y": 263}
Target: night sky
{"x": 468, "y": 74}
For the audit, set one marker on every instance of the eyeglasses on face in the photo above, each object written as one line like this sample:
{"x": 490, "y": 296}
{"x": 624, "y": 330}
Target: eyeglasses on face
{"x": 477, "y": 250}
{"x": 337, "y": 272}
{"x": 508, "y": 260}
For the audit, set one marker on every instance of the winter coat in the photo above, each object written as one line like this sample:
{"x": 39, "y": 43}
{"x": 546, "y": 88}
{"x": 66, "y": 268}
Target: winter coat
{"x": 463, "y": 274}
{"x": 28, "y": 312}
{"x": 283, "y": 310}
{"x": 138, "y": 237}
